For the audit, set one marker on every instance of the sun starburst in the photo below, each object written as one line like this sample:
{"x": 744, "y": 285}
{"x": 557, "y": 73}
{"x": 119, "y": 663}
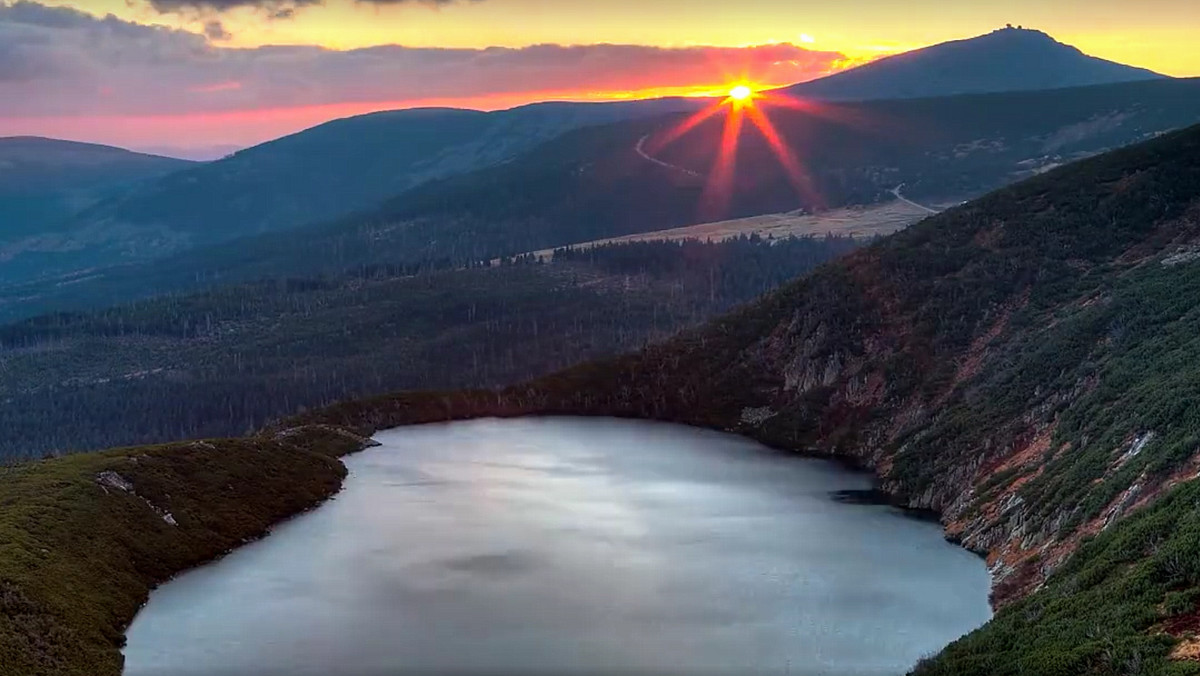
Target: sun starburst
{"x": 741, "y": 93}
{"x": 745, "y": 103}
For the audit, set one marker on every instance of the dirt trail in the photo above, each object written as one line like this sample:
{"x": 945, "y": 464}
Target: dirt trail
{"x": 641, "y": 150}
{"x": 902, "y": 198}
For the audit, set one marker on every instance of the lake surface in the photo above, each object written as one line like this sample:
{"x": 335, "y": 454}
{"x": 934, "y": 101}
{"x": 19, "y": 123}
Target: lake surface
{"x": 557, "y": 546}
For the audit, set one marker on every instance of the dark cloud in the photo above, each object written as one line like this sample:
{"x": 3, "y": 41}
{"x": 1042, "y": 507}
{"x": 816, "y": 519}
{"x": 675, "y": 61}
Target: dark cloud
{"x": 35, "y": 14}
{"x": 215, "y": 30}
{"x": 429, "y": 3}
{"x": 50, "y": 52}
{"x": 278, "y": 9}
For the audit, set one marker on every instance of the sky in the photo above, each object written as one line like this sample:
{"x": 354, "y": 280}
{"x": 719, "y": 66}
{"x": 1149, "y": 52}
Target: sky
{"x": 200, "y": 78}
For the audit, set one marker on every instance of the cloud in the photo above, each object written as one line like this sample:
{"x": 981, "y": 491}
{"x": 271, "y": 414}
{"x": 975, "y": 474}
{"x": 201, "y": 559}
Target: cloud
{"x": 279, "y": 9}
{"x": 429, "y": 3}
{"x": 62, "y": 63}
{"x": 35, "y": 14}
{"x": 215, "y": 30}
{"x": 43, "y": 48}
{"x": 276, "y": 9}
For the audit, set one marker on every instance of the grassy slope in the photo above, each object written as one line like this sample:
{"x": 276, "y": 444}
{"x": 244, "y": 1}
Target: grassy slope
{"x": 1024, "y": 365}
{"x": 78, "y": 558}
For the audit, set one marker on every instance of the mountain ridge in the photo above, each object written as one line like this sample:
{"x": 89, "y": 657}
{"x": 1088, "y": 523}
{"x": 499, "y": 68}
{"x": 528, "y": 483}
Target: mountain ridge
{"x": 319, "y": 174}
{"x": 1008, "y": 59}
{"x": 590, "y": 183}
{"x": 287, "y": 183}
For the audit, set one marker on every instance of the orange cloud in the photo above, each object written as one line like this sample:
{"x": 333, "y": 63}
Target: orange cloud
{"x": 172, "y": 84}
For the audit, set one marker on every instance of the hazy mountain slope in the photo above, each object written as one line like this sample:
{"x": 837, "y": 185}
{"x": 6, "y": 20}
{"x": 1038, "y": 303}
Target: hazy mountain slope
{"x": 1021, "y": 364}
{"x": 592, "y": 183}
{"x": 1009, "y": 59}
{"x": 44, "y": 181}
{"x": 322, "y": 173}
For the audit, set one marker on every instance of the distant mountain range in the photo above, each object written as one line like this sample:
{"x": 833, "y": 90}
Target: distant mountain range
{"x": 1010, "y": 59}
{"x": 353, "y": 166}
{"x": 323, "y": 173}
{"x": 592, "y": 183}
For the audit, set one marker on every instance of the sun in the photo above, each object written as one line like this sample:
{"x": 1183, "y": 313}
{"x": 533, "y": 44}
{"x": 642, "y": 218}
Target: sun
{"x": 741, "y": 93}
{"x": 745, "y": 104}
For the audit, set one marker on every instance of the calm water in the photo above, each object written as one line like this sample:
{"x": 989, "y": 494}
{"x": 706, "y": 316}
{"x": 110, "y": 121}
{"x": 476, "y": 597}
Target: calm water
{"x": 572, "y": 546}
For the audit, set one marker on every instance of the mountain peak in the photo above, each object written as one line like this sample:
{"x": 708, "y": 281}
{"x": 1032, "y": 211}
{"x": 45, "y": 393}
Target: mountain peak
{"x": 1007, "y": 59}
{"x": 1019, "y": 37}
{"x": 1020, "y": 32}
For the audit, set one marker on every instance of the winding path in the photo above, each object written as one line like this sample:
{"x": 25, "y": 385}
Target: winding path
{"x": 902, "y": 198}
{"x": 641, "y": 150}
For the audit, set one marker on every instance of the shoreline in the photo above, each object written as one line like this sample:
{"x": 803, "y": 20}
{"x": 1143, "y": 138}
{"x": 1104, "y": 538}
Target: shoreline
{"x": 863, "y": 496}
{"x": 261, "y": 481}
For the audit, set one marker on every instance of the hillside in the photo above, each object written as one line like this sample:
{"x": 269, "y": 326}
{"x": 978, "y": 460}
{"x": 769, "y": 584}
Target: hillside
{"x": 1009, "y": 59}
{"x": 45, "y": 181}
{"x": 84, "y": 539}
{"x": 1021, "y": 365}
{"x": 318, "y": 174}
{"x": 592, "y": 184}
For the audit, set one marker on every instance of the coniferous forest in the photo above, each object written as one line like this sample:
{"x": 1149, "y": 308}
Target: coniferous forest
{"x": 227, "y": 361}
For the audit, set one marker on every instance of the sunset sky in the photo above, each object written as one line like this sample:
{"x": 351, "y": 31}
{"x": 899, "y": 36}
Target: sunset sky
{"x": 202, "y": 77}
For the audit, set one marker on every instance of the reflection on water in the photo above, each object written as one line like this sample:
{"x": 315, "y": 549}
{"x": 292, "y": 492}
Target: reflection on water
{"x": 572, "y": 546}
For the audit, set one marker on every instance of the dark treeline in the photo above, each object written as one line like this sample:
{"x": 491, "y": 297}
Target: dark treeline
{"x": 228, "y": 360}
